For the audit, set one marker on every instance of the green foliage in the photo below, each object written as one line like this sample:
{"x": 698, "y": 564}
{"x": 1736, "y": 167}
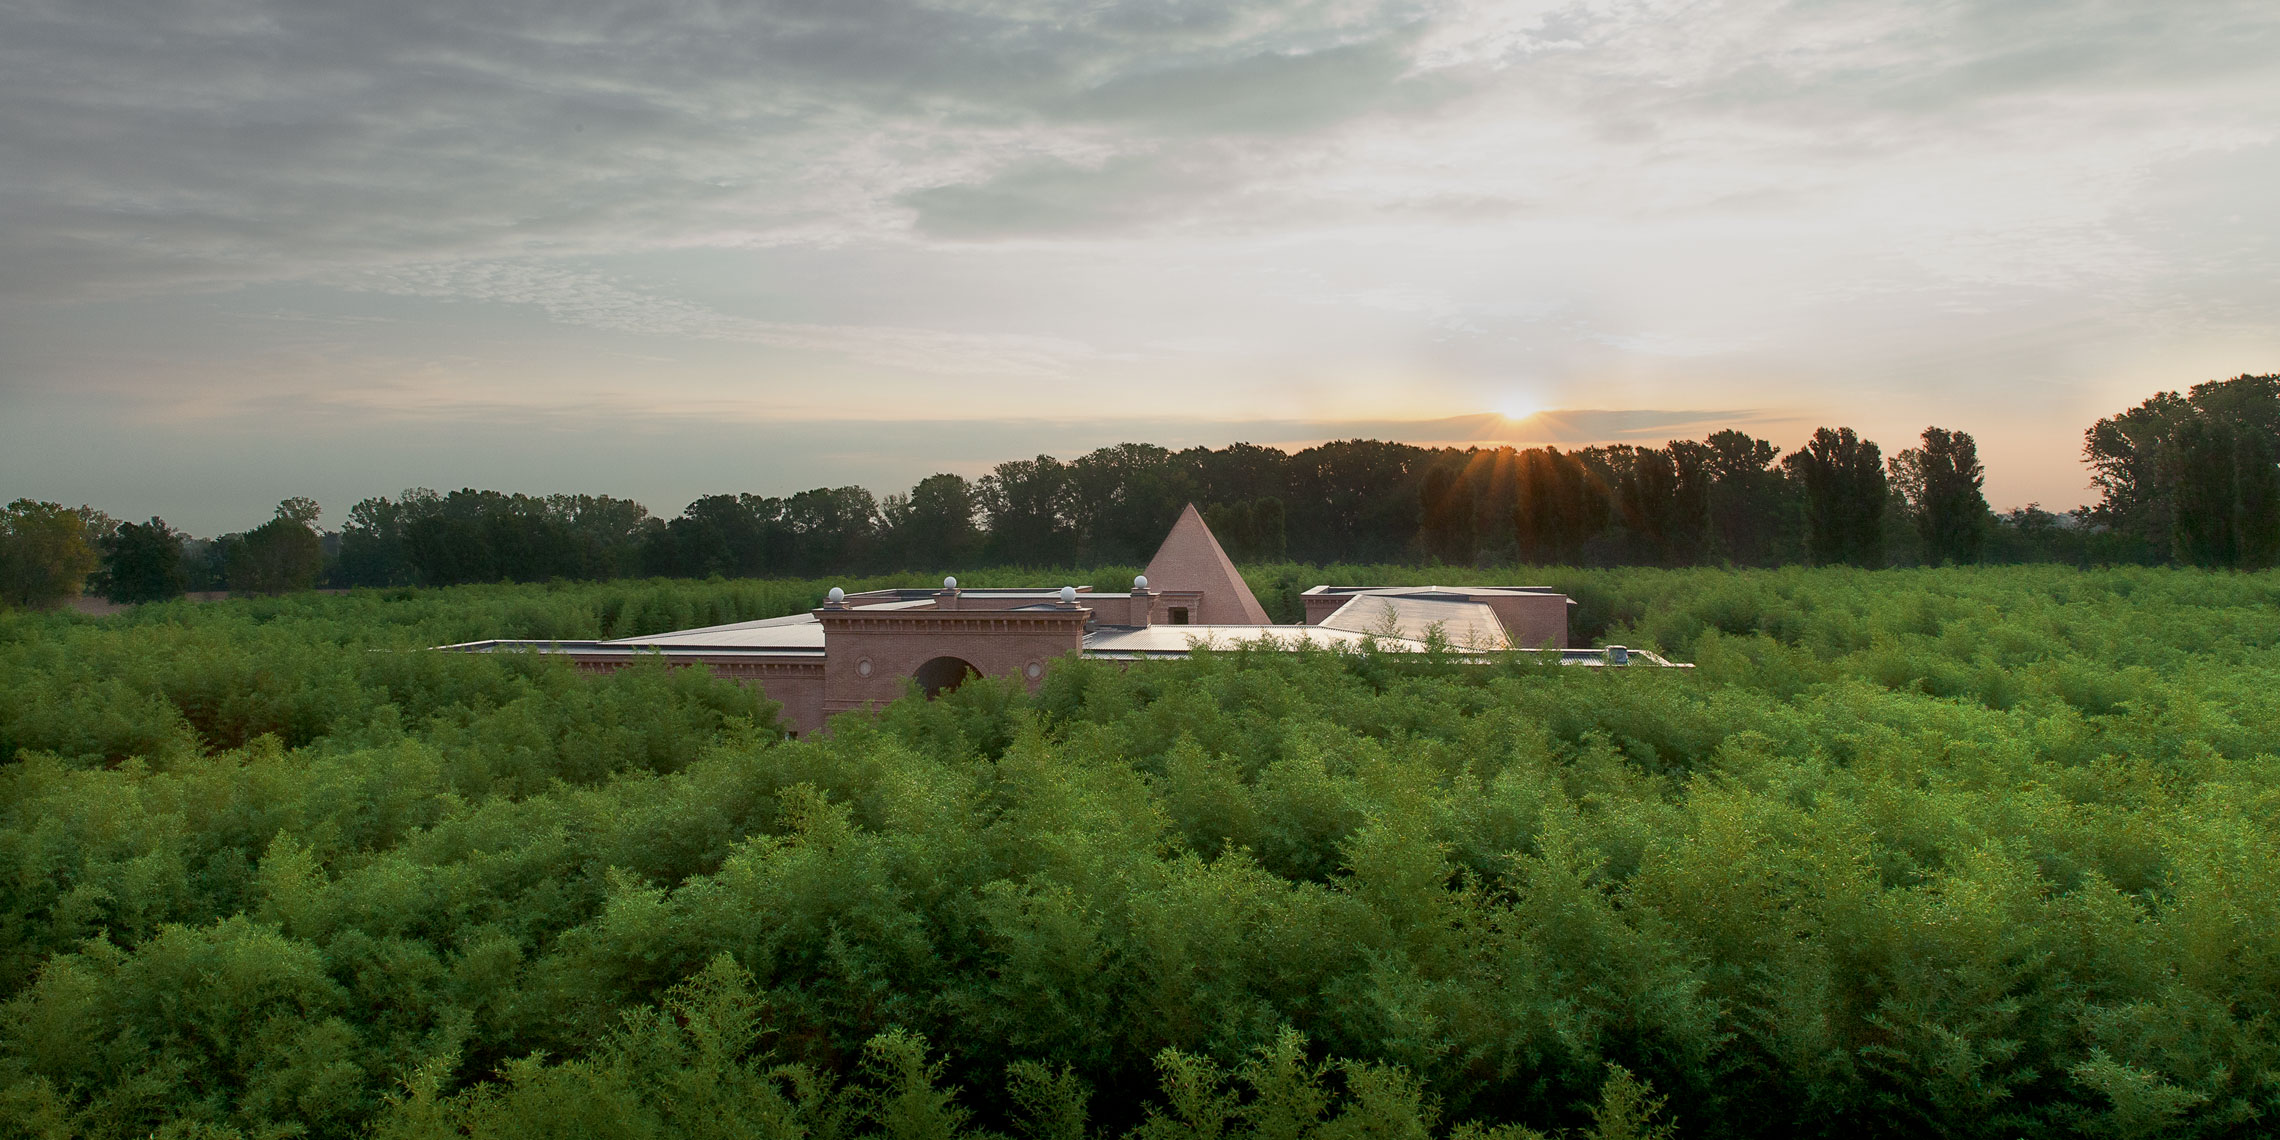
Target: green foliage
{"x": 934, "y": 525}
{"x": 1723, "y": 500}
{"x": 1252, "y": 531}
{"x": 1627, "y": 1109}
{"x": 2194, "y": 475}
{"x": 2224, "y": 481}
{"x": 1982, "y": 852}
{"x": 142, "y": 562}
{"x": 281, "y": 555}
{"x": 46, "y": 554}
{"x": 487, "y": 536}
{"x": 1941, "y": 482}
{"x": 1664, "y": 497}
{"x": 1842, "y": 480}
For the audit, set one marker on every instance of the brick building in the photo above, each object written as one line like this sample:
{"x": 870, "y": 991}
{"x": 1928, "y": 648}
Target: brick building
{"x": 859, "y": 650}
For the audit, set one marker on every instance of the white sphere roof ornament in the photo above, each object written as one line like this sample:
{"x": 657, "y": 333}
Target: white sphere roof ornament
{"x": 1139, "y": 581}
{"x": 950, "y": 582}
{"x": 1068, "y": 595}
{"x": 834, "y": 596}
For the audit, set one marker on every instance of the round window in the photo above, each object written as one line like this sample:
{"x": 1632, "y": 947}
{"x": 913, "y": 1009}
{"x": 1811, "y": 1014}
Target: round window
{"x": 863, "y": 667}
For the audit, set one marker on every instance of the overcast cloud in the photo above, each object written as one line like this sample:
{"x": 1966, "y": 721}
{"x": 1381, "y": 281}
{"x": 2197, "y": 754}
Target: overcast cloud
{"x": 232, "y": 230}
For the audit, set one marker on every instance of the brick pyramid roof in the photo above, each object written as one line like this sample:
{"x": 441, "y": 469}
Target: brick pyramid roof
{"x": 1191, "y": 559}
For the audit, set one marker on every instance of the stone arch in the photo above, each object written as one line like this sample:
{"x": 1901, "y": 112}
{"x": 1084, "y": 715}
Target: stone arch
{"x": 943, "y": 674}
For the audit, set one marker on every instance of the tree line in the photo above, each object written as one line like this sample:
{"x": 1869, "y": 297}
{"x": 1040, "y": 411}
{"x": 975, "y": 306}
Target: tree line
{"x": 2192, "y": 478}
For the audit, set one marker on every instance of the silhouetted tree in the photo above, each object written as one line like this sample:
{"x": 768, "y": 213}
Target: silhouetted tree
{"x": 936, "y": 525}
{"x": 1250, "y": 532}
{"x": 2143, "y": 459}
{"x": 729, "y": 535}
{"x": 1941, "y": 481}
{"x": 1842, "y": 480}
{"x": 610, "y": 533}
{"x": 2224, "y": 487}
{"x": 1561, "y": 504}
{"x": 489, "y": 536}
{"x": 281, "y": 555}
{"x": 142, "y": 562}
{"x": 832, "y": 528}
{"x": 445, "y": 550}
{"x": 300, "y": 509}
{"x": 1724, "y": 498}
{"x": 372, "y": 550}
{"x": 1122, "y": 499}
{"x": 46, "y": 553}
{"x": 1448, "y": 532}
{"x": 1027, "y": 503}
{"x": 1355, "y": 500}
{"x": 1750, "y": 504}
{"x": 1664, "y": 497}
{"x": 2124, "y": 455}
{"x": 1237, "y": 473}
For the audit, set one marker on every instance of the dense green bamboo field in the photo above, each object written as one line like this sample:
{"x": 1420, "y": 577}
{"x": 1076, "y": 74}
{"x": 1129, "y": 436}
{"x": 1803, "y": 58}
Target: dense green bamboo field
{"x": 1973, "y": 852}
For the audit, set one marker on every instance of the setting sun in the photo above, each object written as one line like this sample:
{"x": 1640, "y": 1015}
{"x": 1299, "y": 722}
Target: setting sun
{"x": 1517, "y": 407}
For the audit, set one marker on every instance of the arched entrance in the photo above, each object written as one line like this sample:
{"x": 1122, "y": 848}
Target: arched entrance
{"x": 943, "y": 674}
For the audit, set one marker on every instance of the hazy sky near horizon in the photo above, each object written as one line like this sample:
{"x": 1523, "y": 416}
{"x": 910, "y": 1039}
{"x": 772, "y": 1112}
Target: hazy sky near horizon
{"x": 251, "y": 249}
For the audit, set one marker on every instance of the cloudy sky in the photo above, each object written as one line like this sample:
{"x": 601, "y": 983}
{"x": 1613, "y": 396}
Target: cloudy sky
{"x": 250, "y": 249}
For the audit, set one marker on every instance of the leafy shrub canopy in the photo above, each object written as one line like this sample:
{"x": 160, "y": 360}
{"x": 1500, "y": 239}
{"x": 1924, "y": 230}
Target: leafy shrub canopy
{"x": 1972, "y": 852}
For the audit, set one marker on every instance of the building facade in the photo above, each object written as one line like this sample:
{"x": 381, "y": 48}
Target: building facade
{"x": 857, "y": 651}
